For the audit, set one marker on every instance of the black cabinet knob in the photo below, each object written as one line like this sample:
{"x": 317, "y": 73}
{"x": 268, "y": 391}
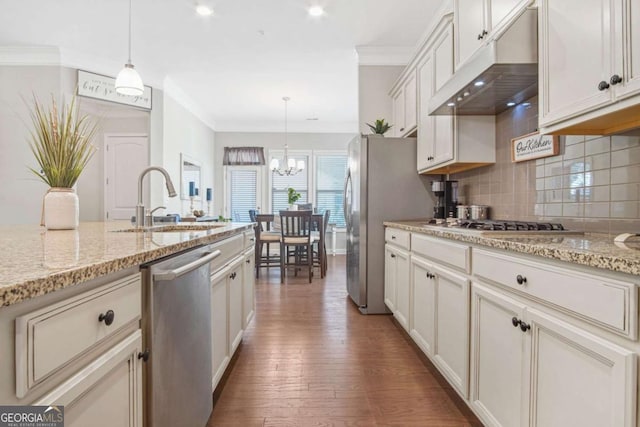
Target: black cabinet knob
{"x": 393, "y": 256}
{"x": 401, "y": 129}
{"x": 393, "y": 237}
{"x": 603, "y": 85}
{"x": 524, "y": 327}
{"x": 248, "y": 261}
{"x": 521, "y": 279}
{"x": 615, "y": 79}
{"x": 233, "y": 276}
{"x": 482, "y": 34}
{"x": 107, "y": 317}
{"x": 144, "y": 355}
{"x": 515, "y": 322}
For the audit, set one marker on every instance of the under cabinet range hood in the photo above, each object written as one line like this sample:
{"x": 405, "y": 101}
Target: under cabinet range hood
{"x": 501, "y": 74}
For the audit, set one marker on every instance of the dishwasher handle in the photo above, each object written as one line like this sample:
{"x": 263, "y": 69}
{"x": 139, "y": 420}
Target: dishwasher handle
{"x": 180, "y": 271}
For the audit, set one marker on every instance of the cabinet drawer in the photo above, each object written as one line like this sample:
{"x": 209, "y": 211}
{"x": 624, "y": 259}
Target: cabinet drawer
{"x": 249, "y": 238}
{"x": 397, "y": 237}
{"x": 606, "y": 302}
{"x": 443, "y": 251}
{"x": 49, "y": 338}
{"x": 229, "y": 248}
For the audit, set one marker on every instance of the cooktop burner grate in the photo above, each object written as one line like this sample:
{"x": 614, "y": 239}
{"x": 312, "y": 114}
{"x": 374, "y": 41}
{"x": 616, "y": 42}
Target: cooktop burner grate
{"x": 501, "y": 225}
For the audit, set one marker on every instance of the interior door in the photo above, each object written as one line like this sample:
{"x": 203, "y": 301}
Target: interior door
{"x": 125, "y": 158}
{"x": 243, "y": 191}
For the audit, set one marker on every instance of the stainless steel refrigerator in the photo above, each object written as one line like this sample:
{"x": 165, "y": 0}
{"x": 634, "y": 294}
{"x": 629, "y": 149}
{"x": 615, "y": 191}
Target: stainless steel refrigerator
{"x": 382, "y": 184}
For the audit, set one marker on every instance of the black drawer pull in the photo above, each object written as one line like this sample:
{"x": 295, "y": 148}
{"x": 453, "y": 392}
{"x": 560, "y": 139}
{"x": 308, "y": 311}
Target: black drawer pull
{"x": 603, "y": 85}
{"x": 524, "y": 327}
{"x": 521, "y": 279}
{"x": 107, "y": 317}
{"x": 615, "y": 79}
{"x": 515, "y": 322}
{"x": 144, "y": 355}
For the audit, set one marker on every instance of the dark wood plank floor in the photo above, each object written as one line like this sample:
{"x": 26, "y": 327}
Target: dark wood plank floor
{"x": 309, "y": 358}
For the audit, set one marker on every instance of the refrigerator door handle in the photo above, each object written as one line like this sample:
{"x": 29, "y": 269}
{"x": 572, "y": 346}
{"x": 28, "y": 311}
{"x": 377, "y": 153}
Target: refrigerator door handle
{"x": 344, "y": 198}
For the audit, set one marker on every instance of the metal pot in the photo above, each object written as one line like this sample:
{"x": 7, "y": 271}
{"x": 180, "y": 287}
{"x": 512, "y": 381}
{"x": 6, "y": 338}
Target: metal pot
{"x": 479, "y": 212}
{"x": 463, "y": 212}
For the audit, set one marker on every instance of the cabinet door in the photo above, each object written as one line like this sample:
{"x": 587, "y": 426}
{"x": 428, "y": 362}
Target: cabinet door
{"x": 469, "y": 24}
{"x": 410, "y": 104}
{"x": 502, "y": 11}
{"x": 497, "y": 358}
{"x": 108, "y": 392}
{"x": 630, "y": 36}
{"x": 425, "y": 122}
{"x": 219, "y": 325}
{"x": 576, "y": 378}
{"x": 390, "y": 277}
{"x": 423, "y": 305}
{"x": 443, "y": 136}
{"x": 249, "y": 288}
{"x": 403, "y": 288}
{"x": 576, "y": 55}
{"x": 234, "y": 280}
{"x": 398, "y": 113}
{"x": 451, "y": 350}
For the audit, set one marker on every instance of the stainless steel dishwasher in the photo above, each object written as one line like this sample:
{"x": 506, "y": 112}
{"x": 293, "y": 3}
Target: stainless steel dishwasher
{"x": 177, "y": 325}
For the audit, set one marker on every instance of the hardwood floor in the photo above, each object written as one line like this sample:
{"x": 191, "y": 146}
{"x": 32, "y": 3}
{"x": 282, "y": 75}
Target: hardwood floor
{"x": 309, "y": 358}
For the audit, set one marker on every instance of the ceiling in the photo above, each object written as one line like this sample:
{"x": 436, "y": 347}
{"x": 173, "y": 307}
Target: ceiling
{"x": 236, "y": 65}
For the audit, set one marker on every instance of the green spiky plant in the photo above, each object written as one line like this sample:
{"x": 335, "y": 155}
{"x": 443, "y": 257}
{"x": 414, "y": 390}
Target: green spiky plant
{"x": 293, "y": 195}
{"x": 60, "y": 142}
{"x": 380, "y": 128}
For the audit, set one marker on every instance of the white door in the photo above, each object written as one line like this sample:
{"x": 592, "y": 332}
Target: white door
{"x": 631, "y": 36}
{"x": 410, "y": 103}
{"x": 423, "y": 310}
{"x": 470, "y": 27}
{"x": 125, "y": 157}
{"x": 425, "y": 121}
{"x": 443, "y": 138}
{"x": 242, "y": 191}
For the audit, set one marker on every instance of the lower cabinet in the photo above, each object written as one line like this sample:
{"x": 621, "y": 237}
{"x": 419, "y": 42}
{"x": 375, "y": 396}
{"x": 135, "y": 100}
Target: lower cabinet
{"x": 249, "y": 287}
{"x": 235, "y": 285}
{"x": 107, "y": 392}
{"x": 440, "y": 321}
{"x": 397, "y": 289}
{"x": 530, "y": 368}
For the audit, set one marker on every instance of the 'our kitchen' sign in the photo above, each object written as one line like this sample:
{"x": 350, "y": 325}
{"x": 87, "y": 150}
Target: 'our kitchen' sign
{"x": 102, "y": 87}
{"x": 533, "y": 146}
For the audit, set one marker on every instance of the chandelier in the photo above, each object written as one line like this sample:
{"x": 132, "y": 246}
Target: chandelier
{"x": 289, "y": 166}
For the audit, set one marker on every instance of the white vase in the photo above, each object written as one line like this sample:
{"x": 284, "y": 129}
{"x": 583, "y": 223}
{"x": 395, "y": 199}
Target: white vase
{"x": 293, "y": 207}
{"x": 61, "y": 209}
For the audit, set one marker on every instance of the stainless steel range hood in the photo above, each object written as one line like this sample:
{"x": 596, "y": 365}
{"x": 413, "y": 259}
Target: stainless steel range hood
{"x": 503, "y": 71}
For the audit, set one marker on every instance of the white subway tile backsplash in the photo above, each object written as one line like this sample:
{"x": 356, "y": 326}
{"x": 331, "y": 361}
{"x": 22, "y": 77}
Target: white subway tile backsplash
{"x": 573, "y": 139}
{"x": 553, "y": 182}
{"x": 597, "y": 146}
{"x": 628, "y": 156}
{"x": 575, "y": 210}
{"x": 553, "y": 209}
{"x": 601, "y": 177}
{"x": 621, "y": 142}
{"x": 598, "y": 161}
{"x": 574, "y": 180}
{"x": 574, "y": 151}
{"x": 601, "y": 193}
{"x": 625, "y": 174}
{"x": 552, "y": 169}
{"x": 540, "y": 171}
{"x": 622, "y": 192}
{"x": 574, "y": 165}
{"x": 596, "y": 210}
{"x": 624, "y": 209}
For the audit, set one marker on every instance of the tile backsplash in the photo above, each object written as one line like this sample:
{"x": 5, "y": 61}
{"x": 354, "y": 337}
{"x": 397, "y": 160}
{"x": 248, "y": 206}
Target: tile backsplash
{"x": 592, "y": 185}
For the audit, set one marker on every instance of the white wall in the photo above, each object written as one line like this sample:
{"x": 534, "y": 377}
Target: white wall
{"x": 21, "y": 192}
{"x": 185, "y": 133}
{"x": 374, "y": 102}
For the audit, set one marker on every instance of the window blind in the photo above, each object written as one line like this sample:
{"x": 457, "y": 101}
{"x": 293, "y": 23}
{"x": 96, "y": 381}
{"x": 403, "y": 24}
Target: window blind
{"x": 330, "y": 175}
{"x": 280, "y": 184}
{"x": 243, "y": 194}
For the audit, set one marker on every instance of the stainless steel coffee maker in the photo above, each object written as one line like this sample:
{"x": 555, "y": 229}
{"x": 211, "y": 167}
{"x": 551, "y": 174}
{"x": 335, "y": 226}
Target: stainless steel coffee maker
{"x": 446, "y": 193}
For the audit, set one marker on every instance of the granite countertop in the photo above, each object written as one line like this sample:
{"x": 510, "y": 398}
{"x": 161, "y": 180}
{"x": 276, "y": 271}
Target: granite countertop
{"x": 589, "y": 249}
{"x": 35, "y": 261}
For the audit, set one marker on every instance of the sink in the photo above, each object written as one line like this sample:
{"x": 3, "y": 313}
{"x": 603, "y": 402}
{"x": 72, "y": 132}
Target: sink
{"x": 173, "y": 228}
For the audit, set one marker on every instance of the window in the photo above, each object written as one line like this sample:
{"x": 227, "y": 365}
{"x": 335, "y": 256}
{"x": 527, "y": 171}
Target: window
{"x": 330, "y": 174}
{"x": 243, "y": 191}
{"x": 280, "y": 184}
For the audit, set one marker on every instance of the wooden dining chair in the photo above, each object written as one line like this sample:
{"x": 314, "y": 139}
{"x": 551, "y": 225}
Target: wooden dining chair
{"x": 295, "y": 241}
{"x": 318, "y": 238}
{"x": 265, "y": 237}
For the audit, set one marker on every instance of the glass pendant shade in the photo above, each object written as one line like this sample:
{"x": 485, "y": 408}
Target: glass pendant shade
{"x": 129, "y": 82}
{"x": 275, "y": 164}
{"x": 301, "y": 164}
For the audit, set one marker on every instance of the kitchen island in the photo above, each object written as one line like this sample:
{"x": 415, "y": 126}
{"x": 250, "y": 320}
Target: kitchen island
{"x": 528, "y": 328}
{"x": 75, "y": 312}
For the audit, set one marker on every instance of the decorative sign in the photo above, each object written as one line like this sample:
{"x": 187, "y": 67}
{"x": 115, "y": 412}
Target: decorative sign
{"x": 533, "y": 146}
{"x": 102, "y": 87}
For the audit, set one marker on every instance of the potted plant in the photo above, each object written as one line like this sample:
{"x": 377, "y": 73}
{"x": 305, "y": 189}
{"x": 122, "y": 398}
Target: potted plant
{"x": 380, "y": 127}
{"x": 293, "y": 196}
{"x": 61, "y": 143}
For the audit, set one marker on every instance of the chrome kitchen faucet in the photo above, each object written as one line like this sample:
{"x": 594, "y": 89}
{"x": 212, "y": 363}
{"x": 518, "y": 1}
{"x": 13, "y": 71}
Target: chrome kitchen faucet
{"x": 140, "y": 214}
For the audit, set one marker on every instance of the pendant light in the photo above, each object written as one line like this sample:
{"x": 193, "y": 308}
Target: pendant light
{"x": 289, "y": 166}
{"x": 128, "y": 81}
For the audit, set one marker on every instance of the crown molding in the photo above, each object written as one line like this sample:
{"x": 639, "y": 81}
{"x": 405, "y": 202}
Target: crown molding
{"x": 30, "y": 55}
{"x": 292, "y": 127}
{"x": 384, "y": 55}
{"x": 175, "y": 91}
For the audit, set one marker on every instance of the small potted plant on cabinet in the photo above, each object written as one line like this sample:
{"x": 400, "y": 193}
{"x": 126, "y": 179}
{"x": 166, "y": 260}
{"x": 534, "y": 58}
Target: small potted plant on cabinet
{"x": 380, "y": 127}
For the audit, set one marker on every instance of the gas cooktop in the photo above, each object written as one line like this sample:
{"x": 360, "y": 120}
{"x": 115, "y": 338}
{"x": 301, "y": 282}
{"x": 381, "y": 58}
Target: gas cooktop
{"x": 497, "y": 226}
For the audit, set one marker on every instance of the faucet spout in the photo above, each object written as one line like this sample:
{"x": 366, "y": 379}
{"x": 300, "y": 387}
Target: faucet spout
{"x": 140, "y": 207}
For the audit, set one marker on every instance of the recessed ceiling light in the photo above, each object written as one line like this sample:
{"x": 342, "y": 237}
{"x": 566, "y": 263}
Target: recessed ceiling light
{"x": 312, "y": 118}
{"x": 316, "y": 10}
{"x": 479, "y": 83}
{"x": 451, "y": 104}
{"x": 510, "y": 104}
{"x": 204, "y": 10}
{"x": 526, "y": 104}
{"x": 466, "y": 93}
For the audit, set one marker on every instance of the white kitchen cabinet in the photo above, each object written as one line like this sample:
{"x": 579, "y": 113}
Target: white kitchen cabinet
{"x": 107, "y": 392}
{"x": 404, "y": 97}
{"x": 497, "y": 358}
{"x": 396, "y": 284}
{"x": 423, "y": 305}
{"x": 249, "y": 288}
{"x": 477, "y": 20}
{"x": 589, "y": 66}
{"x": 219, "y": 324}
{"x": 448, "y": 144}
{"x": 236, "y": 306}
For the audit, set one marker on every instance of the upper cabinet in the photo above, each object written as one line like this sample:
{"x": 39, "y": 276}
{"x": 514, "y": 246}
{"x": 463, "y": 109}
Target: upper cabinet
{"x": 477, "y": 20}
{"x": 404, "y": 105}
{"x": 589, "y": 66}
